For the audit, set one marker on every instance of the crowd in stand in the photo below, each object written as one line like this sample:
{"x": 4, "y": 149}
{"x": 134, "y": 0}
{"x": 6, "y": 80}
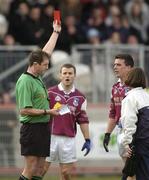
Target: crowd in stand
{"x": 29, "y": 22}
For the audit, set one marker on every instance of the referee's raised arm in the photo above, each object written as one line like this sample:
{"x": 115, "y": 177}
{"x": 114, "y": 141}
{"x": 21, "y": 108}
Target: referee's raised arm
{"x": 50, "y": 45}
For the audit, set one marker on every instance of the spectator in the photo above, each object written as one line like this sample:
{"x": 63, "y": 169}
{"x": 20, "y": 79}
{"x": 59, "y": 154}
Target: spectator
{"x": 117, "y": 26}
{"x": 113, "y": 10}
{"x": 96, "y": 20}
{"x": 115, "y": 38}
{"x": 93, "y": 36}
{"x": 71, "y": 34}
{"x": 130, "y": 30}
{"x": 4, "y": 6}
{"x": 70, "y": 7}
{"x": 138, "y": 12}
{"x": 35, "y": 30}
{"x": 47, "y": 19}
{"x": 48, "y": 12}
{"x": 132, "y": 39}
{"x": 9, "y": 40}
{"x": 18, "y": 23}
{"x": 37, "y": 2}
{"x": 5, "y": 97}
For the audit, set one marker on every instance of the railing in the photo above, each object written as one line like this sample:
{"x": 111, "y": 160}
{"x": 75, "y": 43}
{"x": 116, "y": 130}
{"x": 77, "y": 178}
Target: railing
{"x": 94, "y": 66}
{"x": 13, "y": 61}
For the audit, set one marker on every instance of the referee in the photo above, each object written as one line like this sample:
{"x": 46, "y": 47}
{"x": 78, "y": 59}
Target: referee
{"x": 33, "y": 106}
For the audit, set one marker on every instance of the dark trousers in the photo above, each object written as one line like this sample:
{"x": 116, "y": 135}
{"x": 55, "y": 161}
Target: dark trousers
{"x": 142, "y": 171}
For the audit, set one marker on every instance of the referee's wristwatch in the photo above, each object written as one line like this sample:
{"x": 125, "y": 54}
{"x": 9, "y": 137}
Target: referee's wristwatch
{"x": 45, "y": 112}
{"x": 58, "y": 32}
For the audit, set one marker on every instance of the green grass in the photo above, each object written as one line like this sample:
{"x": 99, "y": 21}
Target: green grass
{"x": 78, "y": 178}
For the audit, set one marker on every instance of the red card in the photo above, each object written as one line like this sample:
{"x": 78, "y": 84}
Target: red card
{"x": 57, "y": 16}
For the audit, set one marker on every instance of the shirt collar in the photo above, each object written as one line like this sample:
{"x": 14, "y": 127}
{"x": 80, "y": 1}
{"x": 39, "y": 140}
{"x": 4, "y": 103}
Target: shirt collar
{"x": 35, "y": 77}
{"x": 62, "y": 89}
{"x": 120, "y": 82}
{"x": 134, "y": 89}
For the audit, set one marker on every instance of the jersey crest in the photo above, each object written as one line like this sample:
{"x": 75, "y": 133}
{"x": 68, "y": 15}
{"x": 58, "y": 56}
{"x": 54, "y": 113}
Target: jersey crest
{"x": 76, "y": 101}
{"x": 57, "y": 98}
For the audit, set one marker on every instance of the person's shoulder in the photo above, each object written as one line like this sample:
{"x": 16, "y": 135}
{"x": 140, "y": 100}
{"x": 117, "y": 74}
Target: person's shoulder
{"x": 134, "y": 93}
{"x": 53, "y": 88}
{"x": 26, "y": 76}
{"x": 79, "y": 93}
{"x": 23, "y": 78}
{"x": 116, "y": 84}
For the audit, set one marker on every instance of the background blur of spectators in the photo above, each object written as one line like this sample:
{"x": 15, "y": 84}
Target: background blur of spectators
{"x": 29, "y": 21}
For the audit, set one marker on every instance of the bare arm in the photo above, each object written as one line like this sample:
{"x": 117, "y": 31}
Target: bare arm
{"x": 50, "y": 45}
{"x": 36, "y": 112}
{"x": 111, "y": 125}
{"x": 85, "y": 130}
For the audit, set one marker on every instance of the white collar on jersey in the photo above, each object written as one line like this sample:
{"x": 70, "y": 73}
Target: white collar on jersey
{"x": 121, "y": 83}
{"x": 62, "y": 89}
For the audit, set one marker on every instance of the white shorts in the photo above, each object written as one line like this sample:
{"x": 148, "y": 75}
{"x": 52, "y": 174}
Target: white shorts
{"x": 62, "y": 150}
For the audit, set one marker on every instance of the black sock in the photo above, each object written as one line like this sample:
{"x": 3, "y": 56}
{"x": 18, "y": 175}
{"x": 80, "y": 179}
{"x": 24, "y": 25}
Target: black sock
{"x": 36, "y": 178}
{"x": 23, "y": 178}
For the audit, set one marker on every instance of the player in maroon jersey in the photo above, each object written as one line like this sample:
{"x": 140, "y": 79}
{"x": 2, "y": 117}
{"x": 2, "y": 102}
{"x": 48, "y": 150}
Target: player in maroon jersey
{"x": 63, "y": 129}
{"x": 122, "y": 65}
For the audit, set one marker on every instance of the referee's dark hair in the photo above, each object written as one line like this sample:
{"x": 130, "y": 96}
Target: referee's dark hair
{"x": 136, "y": 78}
{"x": 37, "y": 56}
{"x": 127, "y": 58}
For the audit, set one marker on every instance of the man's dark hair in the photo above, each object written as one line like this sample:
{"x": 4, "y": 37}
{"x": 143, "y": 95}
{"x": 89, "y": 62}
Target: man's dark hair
{"x": 136, "y": 78}
{"x": 68, "y": 66}
{"x": 127, "y": 58}
{"x": 37, "y": 56}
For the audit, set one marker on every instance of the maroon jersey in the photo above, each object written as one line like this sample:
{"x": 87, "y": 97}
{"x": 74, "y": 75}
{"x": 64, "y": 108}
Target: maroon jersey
{"x": 118, "y": 93}
{"x": 65, "y": 125}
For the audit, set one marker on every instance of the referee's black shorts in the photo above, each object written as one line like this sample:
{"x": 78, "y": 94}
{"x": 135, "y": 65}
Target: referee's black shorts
{"x": 35, "y": 139}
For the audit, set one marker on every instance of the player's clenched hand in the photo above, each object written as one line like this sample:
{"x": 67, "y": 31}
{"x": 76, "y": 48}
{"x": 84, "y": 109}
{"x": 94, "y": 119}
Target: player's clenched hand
{"x": 87, "y": 146}
{"x": 106, "y": 141}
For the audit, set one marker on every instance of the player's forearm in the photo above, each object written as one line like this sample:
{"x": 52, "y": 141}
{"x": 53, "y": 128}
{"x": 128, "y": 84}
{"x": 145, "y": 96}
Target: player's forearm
{"x": 111, "y": 125}
{"x": 85, "y": 130}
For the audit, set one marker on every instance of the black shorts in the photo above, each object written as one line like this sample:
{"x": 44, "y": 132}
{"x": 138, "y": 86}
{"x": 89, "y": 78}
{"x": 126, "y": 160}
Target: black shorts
{"x": 35, "y": 139}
